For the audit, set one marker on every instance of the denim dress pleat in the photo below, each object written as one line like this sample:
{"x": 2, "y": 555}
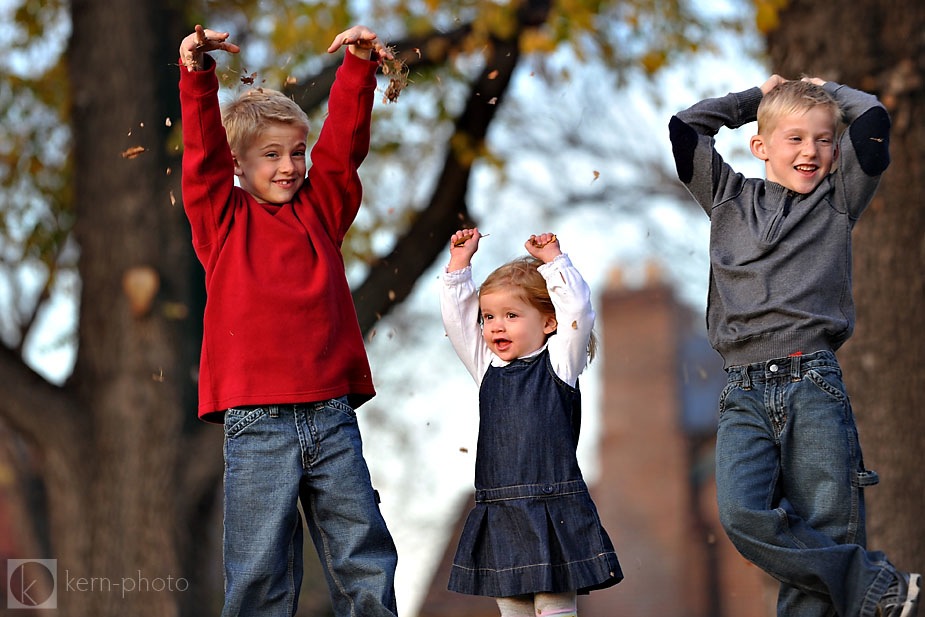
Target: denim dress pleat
{"x": 534, "y": 527}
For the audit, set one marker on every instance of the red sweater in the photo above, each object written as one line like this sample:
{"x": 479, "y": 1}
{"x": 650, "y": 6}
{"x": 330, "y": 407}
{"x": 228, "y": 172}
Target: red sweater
{"x": 279, "y": 324}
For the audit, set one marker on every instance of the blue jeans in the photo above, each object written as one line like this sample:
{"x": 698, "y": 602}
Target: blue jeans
{"x": 790, "y": 478}
{"x": 275, "y": 457}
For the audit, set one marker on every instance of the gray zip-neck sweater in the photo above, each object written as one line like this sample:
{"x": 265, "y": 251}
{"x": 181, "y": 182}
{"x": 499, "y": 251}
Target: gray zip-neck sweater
{"x": 780, "y": 261}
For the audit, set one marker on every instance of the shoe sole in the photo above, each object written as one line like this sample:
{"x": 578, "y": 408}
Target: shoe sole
{"x": 911, "y": 605}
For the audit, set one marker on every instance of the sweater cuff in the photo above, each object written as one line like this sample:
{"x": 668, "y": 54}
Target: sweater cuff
{"x": 356, "y": 70}
{"x": 457, "y": 277}
{"x": 560, "y": 262}
{"x": 748, "y": 101}
{"x": 203, "y": 80}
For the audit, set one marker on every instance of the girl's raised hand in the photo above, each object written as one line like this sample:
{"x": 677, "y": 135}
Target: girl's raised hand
{"x": 463, "y": 245}
{"x": 544, "y": 247}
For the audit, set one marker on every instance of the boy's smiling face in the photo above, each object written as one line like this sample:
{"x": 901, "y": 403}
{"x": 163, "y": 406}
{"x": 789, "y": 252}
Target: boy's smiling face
{"x": 273, "y": 166}
{"x": 800, "y": 150}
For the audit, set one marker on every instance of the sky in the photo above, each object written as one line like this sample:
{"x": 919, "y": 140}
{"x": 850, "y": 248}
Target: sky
{"x": 420, "y": 430}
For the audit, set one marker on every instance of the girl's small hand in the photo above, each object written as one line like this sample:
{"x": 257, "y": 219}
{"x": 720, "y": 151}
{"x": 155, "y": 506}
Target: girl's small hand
{"x": 544, "y": 247}
{"x": 463, "y": 245}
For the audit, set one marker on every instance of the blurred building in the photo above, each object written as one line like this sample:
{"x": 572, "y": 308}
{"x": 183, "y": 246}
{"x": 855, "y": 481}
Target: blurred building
{"x": 655, "y": 491}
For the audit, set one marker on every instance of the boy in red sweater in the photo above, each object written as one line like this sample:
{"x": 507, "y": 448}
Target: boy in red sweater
{"x": 283, "y": 363}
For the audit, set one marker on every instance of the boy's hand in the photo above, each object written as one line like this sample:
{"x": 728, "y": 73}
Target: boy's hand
{"x": 544, "y": 247}
{"x": 814, "y": 80}
{"x": 362, "y": 42}
{"x": 200, "y": 42}
{"x": 772, "y": 82}
{"x": 463, "y": 245}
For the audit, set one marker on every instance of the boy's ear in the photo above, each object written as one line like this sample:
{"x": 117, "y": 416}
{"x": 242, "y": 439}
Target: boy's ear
{"x": 238, "y": 171}
{"x": 758, "y": 147}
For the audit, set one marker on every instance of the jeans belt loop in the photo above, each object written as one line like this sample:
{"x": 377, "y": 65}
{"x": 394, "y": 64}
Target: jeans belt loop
{"x": 795, "y": 368}
{"x": 747, "y": 377}
{"x": 274, "y": 411}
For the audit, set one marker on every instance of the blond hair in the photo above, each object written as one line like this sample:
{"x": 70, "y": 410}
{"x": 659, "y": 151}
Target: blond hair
{"x": 254, "y": 111}
{"x": 795, "y": 97}
{"x": 522, "y": 276}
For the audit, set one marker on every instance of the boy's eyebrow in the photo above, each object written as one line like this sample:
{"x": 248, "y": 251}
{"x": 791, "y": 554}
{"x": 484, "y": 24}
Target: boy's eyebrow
{"x": 278, "y": 145}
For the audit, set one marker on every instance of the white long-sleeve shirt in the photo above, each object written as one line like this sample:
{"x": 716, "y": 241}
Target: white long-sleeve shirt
{"x": 568, "y": 348}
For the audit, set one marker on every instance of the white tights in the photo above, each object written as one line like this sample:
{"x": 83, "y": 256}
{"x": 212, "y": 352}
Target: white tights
{"x": 540, "y": 605}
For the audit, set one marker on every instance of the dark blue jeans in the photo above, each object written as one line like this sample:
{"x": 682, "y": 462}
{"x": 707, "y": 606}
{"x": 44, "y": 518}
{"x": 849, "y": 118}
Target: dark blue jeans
{"x": 275, "y": 457}
{"x": 790, "y": 478}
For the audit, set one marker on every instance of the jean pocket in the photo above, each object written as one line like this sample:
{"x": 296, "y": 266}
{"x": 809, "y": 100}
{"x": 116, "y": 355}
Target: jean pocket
{"x": 341, "y": 405}
{"x": 829, "y": 380}
{"x": 730, "y": 387}
{"x": 238, "y": 420}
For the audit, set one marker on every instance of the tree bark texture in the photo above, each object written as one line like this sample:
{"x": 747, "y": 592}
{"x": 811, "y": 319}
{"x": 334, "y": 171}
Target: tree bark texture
{"x": 113, "y": 495}
{"x": 878, "y": 46}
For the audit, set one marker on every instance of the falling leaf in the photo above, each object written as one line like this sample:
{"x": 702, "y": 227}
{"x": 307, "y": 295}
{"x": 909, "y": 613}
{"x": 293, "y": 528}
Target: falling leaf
{"x": 249, "y": 80}
{"x": 167, "y": 122}
{"x": 133, "y": 152}
{"x": 417, "y": 51}
{"x": 574, "y": 325}
{"x": 169, "y": 171}
{"x": 291, "y": 80}
{"x": 493, "y": 100}
{"x": 493, "y": 74}
{"x": 464, "y": 450}
{"x": 158, "y": 376}
{"x": 391, "y": 295}
{"x": 173, "y": 200}
{"x": 398, "y": 72}
{"x": 597, "y": 175}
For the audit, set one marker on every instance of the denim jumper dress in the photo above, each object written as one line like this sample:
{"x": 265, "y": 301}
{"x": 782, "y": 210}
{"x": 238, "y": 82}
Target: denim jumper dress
{"x": 534, "y": 527}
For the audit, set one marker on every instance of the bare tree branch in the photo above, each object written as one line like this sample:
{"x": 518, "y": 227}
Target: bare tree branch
{"x": 32, "y": 405}
{"x": 393, "y": 277}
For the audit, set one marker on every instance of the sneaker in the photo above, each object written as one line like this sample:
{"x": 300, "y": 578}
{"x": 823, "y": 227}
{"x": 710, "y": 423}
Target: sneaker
{"x": 902, "y": 597}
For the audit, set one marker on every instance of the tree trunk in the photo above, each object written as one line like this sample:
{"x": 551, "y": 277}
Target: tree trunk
{"x": 114, "y": 493}
{"x": 878, "y": 46}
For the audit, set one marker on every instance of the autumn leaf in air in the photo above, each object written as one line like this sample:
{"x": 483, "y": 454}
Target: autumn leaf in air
{"x": 132, "y": 152}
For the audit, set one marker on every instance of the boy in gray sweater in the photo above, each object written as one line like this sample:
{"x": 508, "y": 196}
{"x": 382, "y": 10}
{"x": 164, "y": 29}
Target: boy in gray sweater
{"x": 789, "y": 470}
